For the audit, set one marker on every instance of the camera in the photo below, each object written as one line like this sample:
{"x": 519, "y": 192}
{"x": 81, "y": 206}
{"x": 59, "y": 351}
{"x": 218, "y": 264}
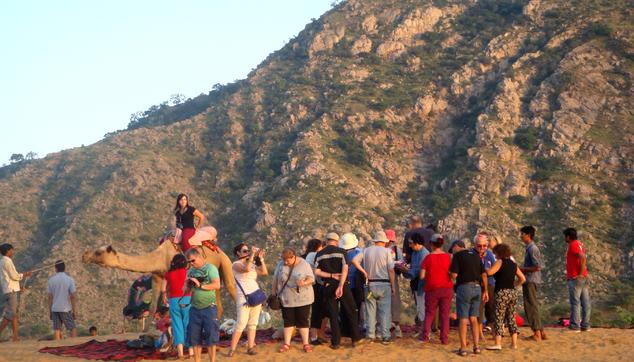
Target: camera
{"x": 191, "y": 284}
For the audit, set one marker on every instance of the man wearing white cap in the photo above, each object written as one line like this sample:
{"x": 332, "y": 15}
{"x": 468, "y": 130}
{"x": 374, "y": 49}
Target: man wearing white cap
{"x": 331, "y": 266}
{"x": 378, "y": 268}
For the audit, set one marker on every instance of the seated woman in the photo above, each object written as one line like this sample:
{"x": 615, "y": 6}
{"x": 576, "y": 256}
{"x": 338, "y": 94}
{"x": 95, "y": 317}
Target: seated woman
{"x": 186, "y": 216}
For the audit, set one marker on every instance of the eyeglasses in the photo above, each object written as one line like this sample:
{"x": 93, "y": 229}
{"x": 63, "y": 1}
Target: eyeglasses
{"x": 244, "y": 250}
{"x": 481, "y": 246}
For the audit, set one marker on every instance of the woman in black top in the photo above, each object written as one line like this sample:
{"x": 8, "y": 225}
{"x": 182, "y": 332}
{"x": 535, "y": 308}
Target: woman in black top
{"x": 185, "y": 222}
{"x": 505, "y": 272}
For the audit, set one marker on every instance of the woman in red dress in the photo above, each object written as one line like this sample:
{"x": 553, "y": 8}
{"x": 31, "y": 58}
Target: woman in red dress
{"x": 185, "y": 220}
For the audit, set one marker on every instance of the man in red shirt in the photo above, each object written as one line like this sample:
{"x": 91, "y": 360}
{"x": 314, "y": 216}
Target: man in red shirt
{"x": 577, "y": 277}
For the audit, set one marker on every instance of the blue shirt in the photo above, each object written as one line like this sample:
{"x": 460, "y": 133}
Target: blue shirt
{"x": 488, "y": 261}
{"x": 533, "y": 257}
{"x": 414, "y": 269}
{"x": 352, "y": 270}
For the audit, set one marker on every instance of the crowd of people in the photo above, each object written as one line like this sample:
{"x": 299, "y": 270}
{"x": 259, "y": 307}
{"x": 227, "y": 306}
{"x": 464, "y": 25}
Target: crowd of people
{"x": 337, "y": 284}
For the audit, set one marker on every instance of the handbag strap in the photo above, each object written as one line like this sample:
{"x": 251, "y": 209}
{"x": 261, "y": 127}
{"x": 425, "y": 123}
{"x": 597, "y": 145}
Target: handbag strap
{"x": 289, "y": 277}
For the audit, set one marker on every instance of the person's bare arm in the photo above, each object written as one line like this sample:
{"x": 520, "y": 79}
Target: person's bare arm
{"x": 50, "y": 305}
{"x": 529, "y": 269}
{"x": 262, "y": 269}
{"x": 423, "y": 274}
{"x": 73, "y": 304}
{"x": 392, "y": 280}
{"x": 485, "y": 288}
{"x": 214, "y": 285}
{"x": 356, "y": 261}
{"x": 520, "y": 278}
{"x": 582, "y": 264}
{"x": 201, "y": 218}
{"x": 495, "y": 267}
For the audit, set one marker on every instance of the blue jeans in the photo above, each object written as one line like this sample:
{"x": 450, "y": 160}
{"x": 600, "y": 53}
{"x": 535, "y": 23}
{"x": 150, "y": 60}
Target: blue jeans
{"x": 579, "y": 303}
{"x": 203, "y": 329}
{"x": 468, "y": 299}
{"x": 378, "y": 308}
{"x": 180, "y": 318}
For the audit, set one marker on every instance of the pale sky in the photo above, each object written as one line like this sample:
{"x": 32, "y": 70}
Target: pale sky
{"x": 71, "y": 71}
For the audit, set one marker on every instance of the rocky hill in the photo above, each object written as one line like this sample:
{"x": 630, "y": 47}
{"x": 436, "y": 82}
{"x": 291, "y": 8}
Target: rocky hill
{"x": 479, "y": 115}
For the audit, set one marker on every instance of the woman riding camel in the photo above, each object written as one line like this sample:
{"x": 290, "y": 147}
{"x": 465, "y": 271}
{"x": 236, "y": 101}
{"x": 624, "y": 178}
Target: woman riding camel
{"x": 185, "y": 220}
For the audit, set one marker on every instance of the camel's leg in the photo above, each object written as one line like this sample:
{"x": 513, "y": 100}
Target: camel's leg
{"x": 157, "y": 284}
{"x": 219, "y": 303}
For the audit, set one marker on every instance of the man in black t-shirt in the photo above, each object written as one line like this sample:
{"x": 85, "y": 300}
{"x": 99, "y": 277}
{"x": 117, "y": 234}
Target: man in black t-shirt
{"x": 332, "y": 268}
{"x": 416, "y": 227}
{"x": 471, "y": 279}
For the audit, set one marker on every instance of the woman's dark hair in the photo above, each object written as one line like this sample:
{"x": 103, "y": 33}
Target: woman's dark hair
{"x": 503, "y": 251}
{"x": 438, "y": 242}
{"x": 571, "y": 233}
{"x": 179, "y": 261}
{"x": 178, "y": 198}
{"x": 312, "y": 246}
{"x": 418, "y": 238}
{"x": 238, "y": 247}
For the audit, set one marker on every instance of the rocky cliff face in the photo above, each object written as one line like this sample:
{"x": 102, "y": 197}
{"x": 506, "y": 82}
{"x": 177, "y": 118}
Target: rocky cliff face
{"x": 479, "y": 115}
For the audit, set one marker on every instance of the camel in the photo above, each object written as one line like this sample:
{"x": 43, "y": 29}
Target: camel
{"x": 157, "y": 262}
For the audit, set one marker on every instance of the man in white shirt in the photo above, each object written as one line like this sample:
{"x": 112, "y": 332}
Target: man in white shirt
{"x": 62, "y": 301}
{"x": 10, "y": 281}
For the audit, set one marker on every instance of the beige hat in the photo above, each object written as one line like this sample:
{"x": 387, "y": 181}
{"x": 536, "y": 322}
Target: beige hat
{"x": 348, "y": 241}
{"x": 380, "y": 237}
{"x": 332, "y": 236}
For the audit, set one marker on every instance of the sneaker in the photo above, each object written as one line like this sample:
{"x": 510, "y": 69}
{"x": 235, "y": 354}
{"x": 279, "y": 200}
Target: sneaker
{"x": 586, "y": 329}
{"x": 397, "y": 332}
{"x": 494, "y": 348}
{"x": 333, "y": 346}
{"x": 316, "y": 342}
{"x": 386, "y": 341}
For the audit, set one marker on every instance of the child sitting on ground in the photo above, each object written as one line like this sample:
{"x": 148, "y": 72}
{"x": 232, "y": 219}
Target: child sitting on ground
{"x": 163, "y": 324}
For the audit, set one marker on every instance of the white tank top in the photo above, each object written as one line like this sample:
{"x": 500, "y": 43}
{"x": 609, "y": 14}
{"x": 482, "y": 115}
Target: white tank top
{"x": 248, "y": 281}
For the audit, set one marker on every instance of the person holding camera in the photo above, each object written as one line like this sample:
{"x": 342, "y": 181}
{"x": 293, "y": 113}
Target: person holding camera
{"x": 246, "y": 269}
{"x": 293, "y": 285}
{"x": 203, "y": 279}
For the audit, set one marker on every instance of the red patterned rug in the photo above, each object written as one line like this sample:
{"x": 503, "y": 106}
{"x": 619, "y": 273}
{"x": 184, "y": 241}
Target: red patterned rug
{"x": 115, "y": 350}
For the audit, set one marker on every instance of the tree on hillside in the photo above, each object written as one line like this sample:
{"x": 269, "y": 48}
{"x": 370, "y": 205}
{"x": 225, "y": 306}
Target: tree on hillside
{"x": 16, "y": 157}
{"x": 30, "y": 156}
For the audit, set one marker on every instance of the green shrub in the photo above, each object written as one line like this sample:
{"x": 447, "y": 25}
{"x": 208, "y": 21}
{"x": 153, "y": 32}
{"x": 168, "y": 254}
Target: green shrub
{"x": 379, "y": 124}
{"x": 353, "y": 151}
{"x": 526, "y": 138}
{"x": 518, "y": 199}
{"x": 545, "y": 168}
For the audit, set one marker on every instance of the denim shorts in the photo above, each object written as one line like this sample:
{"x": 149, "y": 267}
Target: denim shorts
{"x": 203, "y": 329}
{"x": 468, "y": 298}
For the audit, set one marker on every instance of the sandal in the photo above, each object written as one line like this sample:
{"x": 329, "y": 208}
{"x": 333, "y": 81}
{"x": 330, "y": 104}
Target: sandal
{"x": 462, "y": 353}
{"x": 251, "y": 351}
{"x": 476, "y": 350}
{"x": 231, "y": 353}
{"x": 285, "y": 348}
{"x": 308, "y": 348}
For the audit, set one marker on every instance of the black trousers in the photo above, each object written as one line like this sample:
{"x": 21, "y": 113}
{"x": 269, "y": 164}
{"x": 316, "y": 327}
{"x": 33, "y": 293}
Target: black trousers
{"x": 349, "y": 312}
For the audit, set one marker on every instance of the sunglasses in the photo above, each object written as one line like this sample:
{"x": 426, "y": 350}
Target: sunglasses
{"x": 244, "y": 250}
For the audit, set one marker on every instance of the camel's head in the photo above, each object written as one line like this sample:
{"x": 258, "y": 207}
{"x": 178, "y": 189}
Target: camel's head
{"x": 104, "y": 256}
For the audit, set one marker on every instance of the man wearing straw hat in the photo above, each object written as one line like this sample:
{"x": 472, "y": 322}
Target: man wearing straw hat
{"x": 378, "y": 268}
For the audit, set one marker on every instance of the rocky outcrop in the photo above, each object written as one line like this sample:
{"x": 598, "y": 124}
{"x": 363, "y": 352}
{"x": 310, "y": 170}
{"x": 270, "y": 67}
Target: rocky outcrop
{"x": 326, "y": 39}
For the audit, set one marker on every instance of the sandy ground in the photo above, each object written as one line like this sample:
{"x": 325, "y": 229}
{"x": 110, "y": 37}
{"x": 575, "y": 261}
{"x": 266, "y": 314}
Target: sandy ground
{"x": 596, "y": 345}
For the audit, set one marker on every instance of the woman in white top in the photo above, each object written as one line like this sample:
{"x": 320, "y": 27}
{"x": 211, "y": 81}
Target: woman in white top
{"x": 246, "y": 269}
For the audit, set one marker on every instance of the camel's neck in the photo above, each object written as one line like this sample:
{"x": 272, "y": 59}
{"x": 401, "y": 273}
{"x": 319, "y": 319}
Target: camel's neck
{"x": 153, "y": 262}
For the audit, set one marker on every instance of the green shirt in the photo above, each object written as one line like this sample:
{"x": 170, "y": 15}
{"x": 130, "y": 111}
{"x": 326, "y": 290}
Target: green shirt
{"x": 204, "y": 298}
